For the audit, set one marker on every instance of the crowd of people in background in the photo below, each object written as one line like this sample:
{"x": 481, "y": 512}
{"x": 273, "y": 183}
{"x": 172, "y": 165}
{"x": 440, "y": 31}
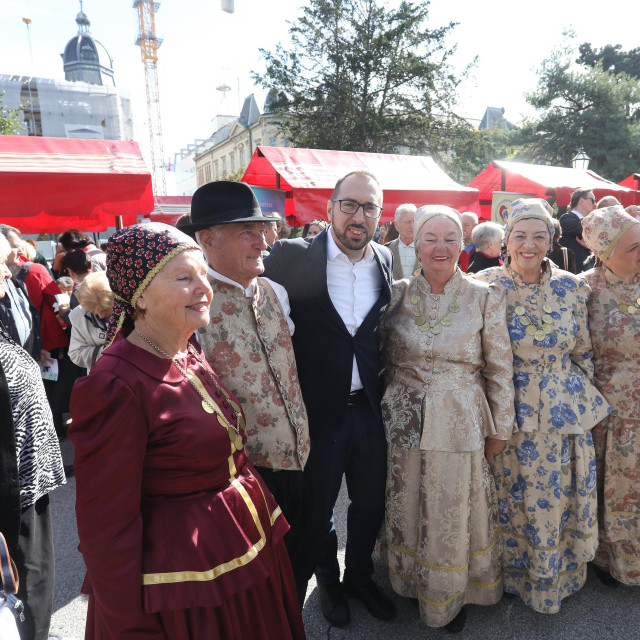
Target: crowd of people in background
{"x": 477, "y": 386}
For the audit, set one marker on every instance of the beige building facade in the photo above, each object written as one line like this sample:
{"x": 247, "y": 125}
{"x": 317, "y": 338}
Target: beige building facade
{"x": 230, "y": 148}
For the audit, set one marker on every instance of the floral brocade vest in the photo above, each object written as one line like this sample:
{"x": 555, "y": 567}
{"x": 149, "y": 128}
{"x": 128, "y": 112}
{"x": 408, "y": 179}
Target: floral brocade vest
{"x": 248, "y": 344}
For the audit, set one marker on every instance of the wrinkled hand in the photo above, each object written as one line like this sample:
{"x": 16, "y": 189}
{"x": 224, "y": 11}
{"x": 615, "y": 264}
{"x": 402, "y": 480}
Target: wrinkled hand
{"x": 492, "y": 447}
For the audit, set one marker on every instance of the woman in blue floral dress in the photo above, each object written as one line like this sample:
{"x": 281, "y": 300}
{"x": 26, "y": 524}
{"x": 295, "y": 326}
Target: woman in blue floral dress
{"x": 546, "y": 477}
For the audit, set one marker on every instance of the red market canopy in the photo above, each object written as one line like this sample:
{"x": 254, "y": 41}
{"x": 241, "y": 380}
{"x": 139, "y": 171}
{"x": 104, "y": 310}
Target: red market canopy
{"x": 542, "y": 182}
{"x": 309, "y": 175}
{"x": 53, "y": 184}
{"x": 632, "y": 182}
{"x": 169, "y": 209}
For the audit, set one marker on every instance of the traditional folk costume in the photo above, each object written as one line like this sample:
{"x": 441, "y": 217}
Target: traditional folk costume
{"x": 448, "y": 369}
{"x": 181, "y": 539}
{"x": 614, "y": 320}
{"x": 248, "y": 343}
{"x": 546, "y": 476}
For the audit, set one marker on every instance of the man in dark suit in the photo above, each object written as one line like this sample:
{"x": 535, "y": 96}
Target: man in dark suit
{"x": 403, "y": 253}
{"x": 583, "y": 202}
{"x": 338, "y": 286}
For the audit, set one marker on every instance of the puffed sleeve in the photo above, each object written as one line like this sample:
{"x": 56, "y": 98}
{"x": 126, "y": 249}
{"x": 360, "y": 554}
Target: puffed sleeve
{"x": 498, "y": 358}
{"x": 109, "y": 433}
{"x": 582, "y": 354}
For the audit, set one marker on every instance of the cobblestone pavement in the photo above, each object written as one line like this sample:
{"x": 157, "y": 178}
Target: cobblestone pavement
{"x": 596, "y": 612}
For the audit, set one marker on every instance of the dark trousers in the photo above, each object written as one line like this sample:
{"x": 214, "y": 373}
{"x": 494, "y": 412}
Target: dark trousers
{"x": 298, "y": 495}
{"x": 35, "y": 563}
{"x": 357, "y": 450}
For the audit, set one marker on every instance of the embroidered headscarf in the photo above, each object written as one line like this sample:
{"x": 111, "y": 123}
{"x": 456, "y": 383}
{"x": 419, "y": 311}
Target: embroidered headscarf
{"x": 525, "y": 209}
{"x": 135, "y": 255}
{"x": 603, "y": 228}
{"x": 430, "y": 211}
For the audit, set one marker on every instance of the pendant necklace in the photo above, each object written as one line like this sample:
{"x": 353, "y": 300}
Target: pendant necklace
{"x": 538, "y": 331}
{"x": 208, "y": 403}
{"x": 623, "y": 307}
{"x": 435, "y": 326}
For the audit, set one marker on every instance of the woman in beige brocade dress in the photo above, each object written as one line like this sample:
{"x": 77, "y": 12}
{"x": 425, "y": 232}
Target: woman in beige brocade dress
{"x": 447, "y": 408}
{"x": 614, "y": 321}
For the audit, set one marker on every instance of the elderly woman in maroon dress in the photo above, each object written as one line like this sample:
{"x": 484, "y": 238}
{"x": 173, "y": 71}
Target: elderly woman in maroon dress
{"x": 180, "y": 537}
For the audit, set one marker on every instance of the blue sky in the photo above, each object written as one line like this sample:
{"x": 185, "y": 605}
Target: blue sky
{"x": 204, "y": 47}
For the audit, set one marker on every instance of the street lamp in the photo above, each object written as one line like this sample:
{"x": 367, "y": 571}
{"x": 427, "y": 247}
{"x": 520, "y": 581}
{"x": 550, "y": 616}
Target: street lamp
{"x": 580, "y": 160}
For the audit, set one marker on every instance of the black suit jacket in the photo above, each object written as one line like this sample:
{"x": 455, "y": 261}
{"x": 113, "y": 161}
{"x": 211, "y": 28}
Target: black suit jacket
{"x": 323, "y": 346}
{"x": 571, "y": 227}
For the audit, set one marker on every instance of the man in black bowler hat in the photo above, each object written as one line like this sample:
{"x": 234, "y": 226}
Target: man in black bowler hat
{"x": 338, "y": 286}
{"x": 248, "y": 343}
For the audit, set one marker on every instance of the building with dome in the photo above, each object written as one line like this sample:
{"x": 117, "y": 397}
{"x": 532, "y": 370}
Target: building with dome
{"x": 87, "y": 104}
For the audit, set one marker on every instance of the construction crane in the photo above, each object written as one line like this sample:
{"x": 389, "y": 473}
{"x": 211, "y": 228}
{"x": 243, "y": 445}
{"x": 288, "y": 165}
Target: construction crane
{"x": 149, "y": 44}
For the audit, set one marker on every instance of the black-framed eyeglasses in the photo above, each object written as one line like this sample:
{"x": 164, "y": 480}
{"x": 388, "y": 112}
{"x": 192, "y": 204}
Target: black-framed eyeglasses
{"x": 350, "y": 207}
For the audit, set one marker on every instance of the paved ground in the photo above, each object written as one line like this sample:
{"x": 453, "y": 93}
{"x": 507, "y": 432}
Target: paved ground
{"x": 596, "y": 612}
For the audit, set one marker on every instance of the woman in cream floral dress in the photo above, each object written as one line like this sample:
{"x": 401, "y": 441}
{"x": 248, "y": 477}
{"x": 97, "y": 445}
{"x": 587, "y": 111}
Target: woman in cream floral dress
{"x": 546, "y": 477}
{"x": 614, "y": 320}
{"x": 448, "y": 404}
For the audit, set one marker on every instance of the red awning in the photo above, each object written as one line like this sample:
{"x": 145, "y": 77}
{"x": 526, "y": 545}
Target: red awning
{"x": 169, "y": 209}
{"x": 85, "y": 183}
{"x": 543, "y": 181}
{"x": 632, "y": 182}
{"x": 309, "y": 175}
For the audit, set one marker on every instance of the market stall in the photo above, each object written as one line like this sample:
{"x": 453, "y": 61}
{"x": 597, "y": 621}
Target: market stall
{"x": 543, "y": 182}
{"x": 48, "y": 185}
{"x": 307, "y": 176}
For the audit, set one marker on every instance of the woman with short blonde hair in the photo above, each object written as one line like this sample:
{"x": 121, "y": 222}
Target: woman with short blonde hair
{"x": 89, "y": 320}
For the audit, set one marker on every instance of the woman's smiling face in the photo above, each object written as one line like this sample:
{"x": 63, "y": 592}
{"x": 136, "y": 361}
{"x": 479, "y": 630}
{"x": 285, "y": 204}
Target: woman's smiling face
{"x": 528, "y": 244}
{"x": 439, "y": 246}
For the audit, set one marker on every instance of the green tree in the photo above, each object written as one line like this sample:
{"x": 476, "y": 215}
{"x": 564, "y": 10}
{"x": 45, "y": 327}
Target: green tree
{"x": 358, "y": 76}
{"x": 10, "y": 123}
{"x": 583, "y": 108}
{"x": 472, "y": 150}
{"x": 612, "y": 58}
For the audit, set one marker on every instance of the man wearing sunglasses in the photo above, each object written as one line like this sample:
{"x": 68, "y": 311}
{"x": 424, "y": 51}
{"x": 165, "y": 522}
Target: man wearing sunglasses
{"x": 338, "y": 285}
{"x": 583, "y": 202}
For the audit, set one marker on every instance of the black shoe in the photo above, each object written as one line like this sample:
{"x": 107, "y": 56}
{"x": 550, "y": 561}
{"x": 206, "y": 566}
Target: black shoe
{"x": 333, "y": 603}
{"x": 457, "y": 624}
{"x": 371, "y": 596}
{"x": 605, "y": 577}
{"x": 509, "y": 596}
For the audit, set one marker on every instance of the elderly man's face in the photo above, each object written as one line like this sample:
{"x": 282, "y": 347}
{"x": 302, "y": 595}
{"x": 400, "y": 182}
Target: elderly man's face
{"x": 405, "y": 226}
{"x": 235, "y": 250}
{"x": 14, "y": 242}
{"x": 468, "y": 225}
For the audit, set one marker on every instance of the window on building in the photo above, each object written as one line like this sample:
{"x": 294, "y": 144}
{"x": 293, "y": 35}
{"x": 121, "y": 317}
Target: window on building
{"x": 207, "y": 173}
{"x": 272, "y": 142}
{"x": 232, "y": 161}
{"x": 215, "y": 170}
{"x": 241, "y": 159}
{"x": 200, "y": 177}
{"x": 224, "y": 167}
{"x": 285, "y": 142}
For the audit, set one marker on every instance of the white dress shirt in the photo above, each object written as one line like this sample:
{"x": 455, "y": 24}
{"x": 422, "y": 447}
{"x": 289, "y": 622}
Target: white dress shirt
{"x": 249, "y": 292}
{"x": 580, "y": 216}
{"x": 407, "y": 254}
{"x": 353, "y": 289}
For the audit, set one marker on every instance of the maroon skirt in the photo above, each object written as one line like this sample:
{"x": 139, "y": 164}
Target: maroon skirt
{"x": 267, "y": 611}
